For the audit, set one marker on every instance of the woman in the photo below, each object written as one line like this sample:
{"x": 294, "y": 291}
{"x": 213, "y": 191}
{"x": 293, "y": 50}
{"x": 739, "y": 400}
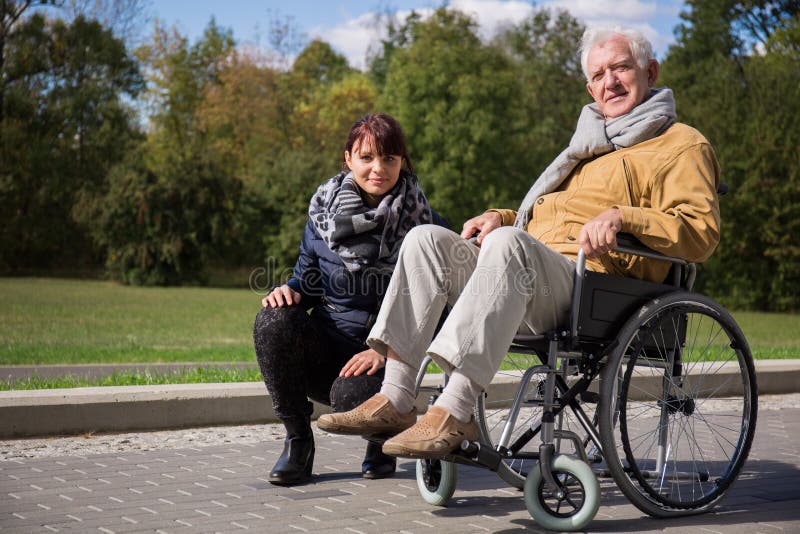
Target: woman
{"x": 357, "y": 221}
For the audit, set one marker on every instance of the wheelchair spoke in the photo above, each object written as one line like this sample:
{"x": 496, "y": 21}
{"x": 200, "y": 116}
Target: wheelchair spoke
{"x": 695, "y": 426}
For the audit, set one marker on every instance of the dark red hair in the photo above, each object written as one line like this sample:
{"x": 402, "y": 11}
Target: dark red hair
{"x": 383, "y": 132}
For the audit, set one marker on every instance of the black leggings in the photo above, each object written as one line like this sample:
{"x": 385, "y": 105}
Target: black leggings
{"x": 300, "y": 360}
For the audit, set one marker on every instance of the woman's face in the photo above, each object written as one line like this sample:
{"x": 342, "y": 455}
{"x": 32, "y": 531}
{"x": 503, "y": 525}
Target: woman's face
{"x": 375, "y": 175}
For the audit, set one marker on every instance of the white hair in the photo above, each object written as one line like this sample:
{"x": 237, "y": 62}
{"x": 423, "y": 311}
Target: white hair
{"x": 641, "y": 49}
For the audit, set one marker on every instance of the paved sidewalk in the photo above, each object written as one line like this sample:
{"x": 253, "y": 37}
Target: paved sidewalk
{"x": 223, "y": 488}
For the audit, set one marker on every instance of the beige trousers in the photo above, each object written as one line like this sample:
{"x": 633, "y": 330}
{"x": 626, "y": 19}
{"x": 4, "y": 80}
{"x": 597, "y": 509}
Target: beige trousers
{"x": 512, "y": 283}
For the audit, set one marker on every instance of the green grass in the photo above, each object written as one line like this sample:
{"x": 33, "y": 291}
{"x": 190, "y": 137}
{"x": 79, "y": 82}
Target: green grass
{"x": 53, "y": 321}
{"x": 193, "y": 376}
{"x": 57, "y": 321}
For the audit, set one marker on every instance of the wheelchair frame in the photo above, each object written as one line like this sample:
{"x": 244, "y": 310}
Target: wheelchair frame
{"x": 617, "y": 327}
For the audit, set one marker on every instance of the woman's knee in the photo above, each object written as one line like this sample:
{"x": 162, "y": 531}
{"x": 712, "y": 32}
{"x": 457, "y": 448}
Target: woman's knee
{"x": 277, "y": 321}
{"x": 276, "y": 332}
{"x": 347, "y": 393}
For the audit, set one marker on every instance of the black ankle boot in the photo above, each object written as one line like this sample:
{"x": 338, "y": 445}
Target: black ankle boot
{"x": 294, "y": 465}
{"x": 376, "y": 464}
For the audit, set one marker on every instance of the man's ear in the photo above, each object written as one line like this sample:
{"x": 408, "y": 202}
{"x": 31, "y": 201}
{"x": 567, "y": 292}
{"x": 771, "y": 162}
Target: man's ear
{"x": 589, "y": 88}
{"x": 652, "y": 72}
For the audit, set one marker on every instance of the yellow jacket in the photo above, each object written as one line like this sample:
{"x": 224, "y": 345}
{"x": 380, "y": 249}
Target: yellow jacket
{"x": 666, "y": 189}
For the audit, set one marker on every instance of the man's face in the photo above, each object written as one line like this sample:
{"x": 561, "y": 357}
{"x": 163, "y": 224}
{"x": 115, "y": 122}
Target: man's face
{"x": 616, "y": 82}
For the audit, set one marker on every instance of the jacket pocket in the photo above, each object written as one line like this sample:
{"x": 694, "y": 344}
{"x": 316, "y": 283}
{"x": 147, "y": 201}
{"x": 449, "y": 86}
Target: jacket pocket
{"x": 628, "y": 183}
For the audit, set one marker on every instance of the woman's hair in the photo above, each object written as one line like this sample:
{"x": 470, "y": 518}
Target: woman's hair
{"x": 641, "y": 49}
{"x": 381, "y": 131}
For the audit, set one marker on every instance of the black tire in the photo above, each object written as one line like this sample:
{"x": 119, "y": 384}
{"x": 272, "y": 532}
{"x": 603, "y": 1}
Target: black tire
{"x": 492, "y": 413}
{"x": 700, "y": 415}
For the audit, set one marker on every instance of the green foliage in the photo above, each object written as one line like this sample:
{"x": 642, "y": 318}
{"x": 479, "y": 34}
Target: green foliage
{"x": 544, "y": 49}
{"x": 456, "y": 99}
{"x": 64, "y": 125}
{"x": 161, "y": 229}
{"x": 236, "y": 143}
{"x": 736, "y": 76}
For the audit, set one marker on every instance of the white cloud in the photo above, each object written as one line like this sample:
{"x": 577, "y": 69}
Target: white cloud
{"x": 354, "y": 37}
{"x": 492, "y": 15}
{"x": 590, "y": 10}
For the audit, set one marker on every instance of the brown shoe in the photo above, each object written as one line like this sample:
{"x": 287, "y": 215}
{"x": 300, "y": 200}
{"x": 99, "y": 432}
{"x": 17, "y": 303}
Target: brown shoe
{"x": 436, "y": 435}
{"x": 374, "y": 416}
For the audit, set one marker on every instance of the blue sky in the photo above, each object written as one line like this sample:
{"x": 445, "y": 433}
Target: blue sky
{"x": 349, "y": 25}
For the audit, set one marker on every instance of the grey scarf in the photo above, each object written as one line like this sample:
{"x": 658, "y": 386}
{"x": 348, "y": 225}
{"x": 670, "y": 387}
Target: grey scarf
{"x": 362, "y": 236}
{"x": 594, "y": 136}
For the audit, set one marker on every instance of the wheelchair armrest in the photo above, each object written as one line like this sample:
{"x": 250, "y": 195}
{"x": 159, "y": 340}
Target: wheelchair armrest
{"x": 629, "y": 244}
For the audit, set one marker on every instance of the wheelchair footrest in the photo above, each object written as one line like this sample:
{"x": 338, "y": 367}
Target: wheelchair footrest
{"x": 480, "y": 454}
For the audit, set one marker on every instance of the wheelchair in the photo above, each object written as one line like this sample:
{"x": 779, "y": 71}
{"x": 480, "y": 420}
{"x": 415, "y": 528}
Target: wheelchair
{"x": 650, "y": 384}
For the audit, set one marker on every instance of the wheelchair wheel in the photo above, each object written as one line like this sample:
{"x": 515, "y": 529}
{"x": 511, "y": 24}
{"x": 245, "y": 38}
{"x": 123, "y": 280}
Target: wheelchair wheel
{"x": 436, "y": 481}
{"x": 576, "y": 507}
{"x": 678, "y": 405}
{"x": 493, "y": 413}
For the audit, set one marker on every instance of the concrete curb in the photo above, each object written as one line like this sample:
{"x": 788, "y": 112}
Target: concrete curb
{"x": 25, "y": 413}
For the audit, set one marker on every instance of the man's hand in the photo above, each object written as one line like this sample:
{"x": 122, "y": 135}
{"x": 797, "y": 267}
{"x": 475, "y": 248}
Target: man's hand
{"x": 483, "y": 224}
{"x": 369, "y": 361}
{"x": 599, "y": 235}
{"x": 281, "y": 296}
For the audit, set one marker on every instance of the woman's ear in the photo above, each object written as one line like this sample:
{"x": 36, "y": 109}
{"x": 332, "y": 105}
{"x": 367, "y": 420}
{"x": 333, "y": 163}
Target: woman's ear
{"x": 347, "y": 160}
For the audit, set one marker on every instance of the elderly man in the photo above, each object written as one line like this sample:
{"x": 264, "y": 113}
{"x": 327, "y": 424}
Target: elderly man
{"x": 629, "y": 167}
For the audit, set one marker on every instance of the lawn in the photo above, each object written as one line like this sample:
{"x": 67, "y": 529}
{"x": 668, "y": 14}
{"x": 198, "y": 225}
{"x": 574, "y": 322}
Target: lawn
{"x": 54, "y": 321}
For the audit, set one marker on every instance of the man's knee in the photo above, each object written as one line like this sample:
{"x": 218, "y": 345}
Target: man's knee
{"x": 505, "y": 237}
{"x": 426, "y": 236}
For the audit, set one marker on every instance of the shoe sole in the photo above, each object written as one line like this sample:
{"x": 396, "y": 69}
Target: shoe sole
{"x": 289, "y": 483}
{"x": 377, "y": 476}
{"x": 360, "y": 431}
{"x": 404, "y": 452}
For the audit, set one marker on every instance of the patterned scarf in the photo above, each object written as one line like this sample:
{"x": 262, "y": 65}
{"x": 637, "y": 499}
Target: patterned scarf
{"x": 594, "y": 136}
{"x": 363, "y": 236}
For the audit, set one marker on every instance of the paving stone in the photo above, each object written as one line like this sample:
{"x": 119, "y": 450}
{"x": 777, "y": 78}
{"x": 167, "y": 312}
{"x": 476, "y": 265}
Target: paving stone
{"x": 223, "y": 488}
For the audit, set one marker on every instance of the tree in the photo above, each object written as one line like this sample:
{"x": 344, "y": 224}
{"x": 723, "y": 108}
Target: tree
{"x": 164, "y": 229}
{"x": 735, "y": 73}
{"x": 178, "y": 76}
{"x": 544, "y": 51}
{"x": 64, "y": 125}
{"x": 457, "y": 100}
{"x": 125, "y": 18}
{"x": 11, "y": 17}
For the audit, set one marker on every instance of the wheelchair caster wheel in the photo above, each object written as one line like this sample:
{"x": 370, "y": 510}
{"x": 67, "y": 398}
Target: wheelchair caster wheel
{"x": 436, "y": 481}
{"x": 578, "y": 504}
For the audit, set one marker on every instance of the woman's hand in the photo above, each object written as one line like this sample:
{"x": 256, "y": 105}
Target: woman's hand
{"x": 369, "y": 361}
{"x": 281, "y": 296}
{"x": 483, "y": 224}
